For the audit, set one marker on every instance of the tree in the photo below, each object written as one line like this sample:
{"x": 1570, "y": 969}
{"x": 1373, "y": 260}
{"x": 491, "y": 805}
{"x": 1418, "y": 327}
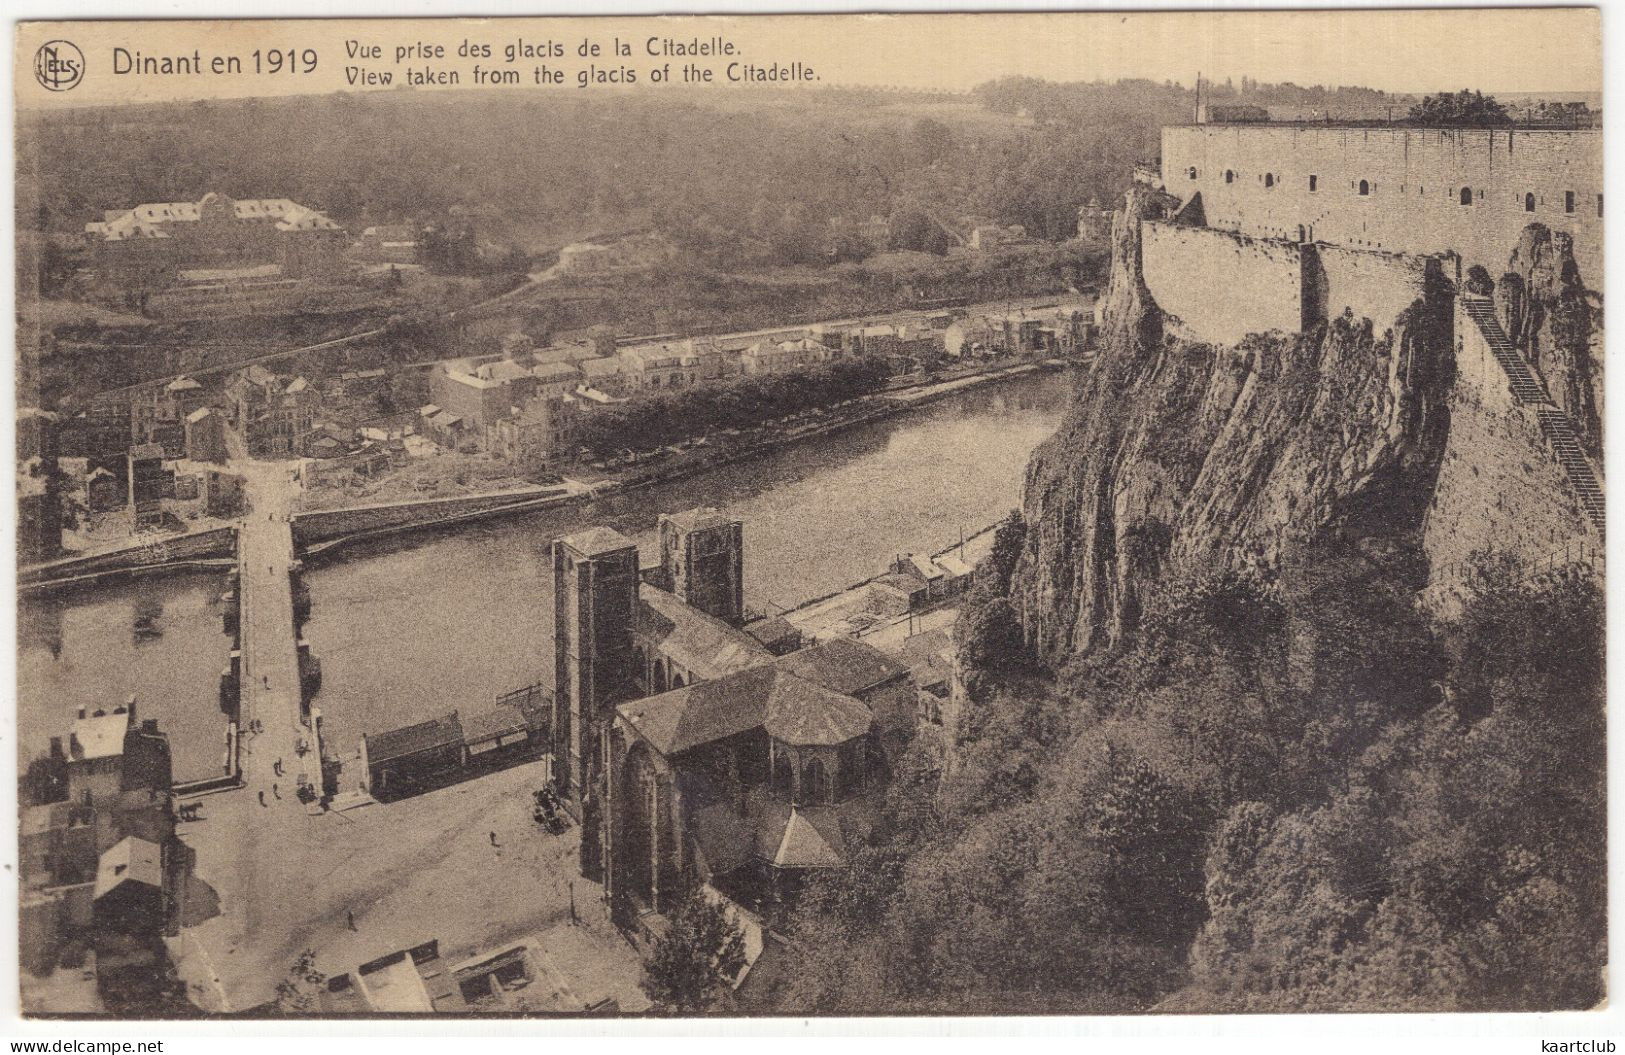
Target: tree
{"x": 1470, "y": 109}
{"x": 694, "y": 962}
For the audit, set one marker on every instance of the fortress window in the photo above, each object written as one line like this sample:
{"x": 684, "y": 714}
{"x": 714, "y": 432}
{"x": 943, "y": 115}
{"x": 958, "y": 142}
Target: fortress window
{"x": 1269, "y": 179}
{"x": 1528, "y": 203}
{"x": 1568, "y": 201}
{"x": 1191, "y": 172}
{"x": 1365, "y": 188}
{"x": 1466, "y": 195}
{"x": 1229, "y": 176}
{"x": 1313, "y": 180}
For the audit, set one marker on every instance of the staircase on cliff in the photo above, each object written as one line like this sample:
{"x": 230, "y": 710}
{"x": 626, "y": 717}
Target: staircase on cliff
{"x": 1531, "y": 391}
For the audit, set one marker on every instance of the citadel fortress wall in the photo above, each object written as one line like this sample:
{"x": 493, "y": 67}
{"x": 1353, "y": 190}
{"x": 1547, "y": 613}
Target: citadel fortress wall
{"x": 1282, "y": 227}
{"x": 1218, "y": 286}
{"x": 1412, "y": 190}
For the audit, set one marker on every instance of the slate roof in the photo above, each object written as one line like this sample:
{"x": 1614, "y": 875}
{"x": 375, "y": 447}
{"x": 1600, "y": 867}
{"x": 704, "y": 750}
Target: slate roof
{"x": 843, "y": 665}
{"x": 704, "y": 517}
{"x": 431, "y": 735}
{"x": 504, "y": 719}
{"x": 601, "y": 367}
{"x": 98, "y": 736}
{"x": 771, "y": 630}
{"x": 810, "y": 837}
{"x": 555, "y": 371}
{"x": 707, "y": 646}
{"x": 504, "y": 370}
{"x": 130, "y": 861}
{"x": 788, "y": 708}
{"x": 597, "y": 541}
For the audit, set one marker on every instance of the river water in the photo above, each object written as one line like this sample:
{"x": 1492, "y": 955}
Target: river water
{"x": 410, "y": 628}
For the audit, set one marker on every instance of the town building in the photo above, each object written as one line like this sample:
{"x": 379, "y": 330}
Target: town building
{"x": 656, "y": 367}
{"x": 158, "y": 414}
{"x": 394, "y": 243}
{"x": 712, "y": 361}
{"x": 401, "y": 761}
{"x": 478, "y": 400}
{"x": 223, "y": 494}
{"x": 104, "y": 491}
{"x": 538, "y": 434}
{"x": 604, "y": 374}
{"x": 271, "y": 412}
{"x": 556, "y": 379}
{"x": 39, "y": 504}
{"x": 149, "y": 483}
{"x": 777, "y": 357}
{"x": 150, "y": 245}
{"x": 205, "y": 435}
{"x": 449, "y": 430}
{"x": 99, "y": 857}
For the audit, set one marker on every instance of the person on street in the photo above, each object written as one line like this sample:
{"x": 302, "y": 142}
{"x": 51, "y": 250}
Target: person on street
{"x": 262, "y": 796}
{"x": 349, "y": 918}
{"x": 275, "y": 792}
{"x": 494, "y": 839}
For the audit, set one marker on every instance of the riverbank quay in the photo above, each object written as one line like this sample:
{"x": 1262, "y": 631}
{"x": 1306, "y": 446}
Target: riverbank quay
{"x": 323, "y": 532}
{"x": 716, "y": 451}
{"x": 853, "y": 611}
{"x": 214, "y": 547}
{"x": 319, "y": 532}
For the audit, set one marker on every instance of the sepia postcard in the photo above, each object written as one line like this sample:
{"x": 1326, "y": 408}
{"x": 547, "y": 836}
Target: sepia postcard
{"x": 829, "y": 515}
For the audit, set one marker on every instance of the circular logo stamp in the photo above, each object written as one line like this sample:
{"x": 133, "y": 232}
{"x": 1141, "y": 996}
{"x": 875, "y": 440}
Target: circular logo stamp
{"x": 59, "y": 65}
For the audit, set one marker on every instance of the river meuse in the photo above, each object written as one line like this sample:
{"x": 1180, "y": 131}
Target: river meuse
{"x": 419, "y": 626}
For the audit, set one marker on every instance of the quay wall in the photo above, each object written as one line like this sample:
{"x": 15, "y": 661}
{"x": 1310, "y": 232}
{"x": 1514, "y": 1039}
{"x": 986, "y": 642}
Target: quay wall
{"x": 178, "y": 551}
{"x": 327, "y": 525}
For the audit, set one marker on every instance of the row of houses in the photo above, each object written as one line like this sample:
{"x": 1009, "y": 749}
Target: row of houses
{"x": 100, "y": 865}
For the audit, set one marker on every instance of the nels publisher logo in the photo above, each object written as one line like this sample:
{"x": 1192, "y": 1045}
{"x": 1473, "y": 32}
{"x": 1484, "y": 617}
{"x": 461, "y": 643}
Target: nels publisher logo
{"x": 59, "y": 65}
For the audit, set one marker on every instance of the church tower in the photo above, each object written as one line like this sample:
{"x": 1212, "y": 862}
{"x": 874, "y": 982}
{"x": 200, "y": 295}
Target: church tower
{"x": 595, "y": 592}
{"x": 702, "y": 561}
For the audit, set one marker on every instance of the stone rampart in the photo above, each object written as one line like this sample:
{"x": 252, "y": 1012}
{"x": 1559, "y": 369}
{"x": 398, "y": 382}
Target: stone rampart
{"x": 1395, "y": 189}
{"x": 1218, "y": 286}
{"x": 1373, "y": 285}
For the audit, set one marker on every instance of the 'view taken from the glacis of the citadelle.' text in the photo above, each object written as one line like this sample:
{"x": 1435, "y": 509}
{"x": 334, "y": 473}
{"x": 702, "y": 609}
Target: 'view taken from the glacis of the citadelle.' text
{"x": 978, "y": 514}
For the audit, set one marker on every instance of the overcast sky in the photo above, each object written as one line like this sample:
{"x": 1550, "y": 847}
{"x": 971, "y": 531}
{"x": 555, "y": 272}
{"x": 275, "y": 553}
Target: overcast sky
{"x": 1507, "y": 50}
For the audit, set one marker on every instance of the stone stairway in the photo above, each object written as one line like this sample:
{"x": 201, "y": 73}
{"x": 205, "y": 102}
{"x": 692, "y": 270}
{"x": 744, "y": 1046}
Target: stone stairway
{"x": 1525, "y": 385}
{"x": 1556, "y": 425}
{"x": 1531, "y": 392}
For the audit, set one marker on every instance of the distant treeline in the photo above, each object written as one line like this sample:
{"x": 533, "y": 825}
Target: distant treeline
{"x": 773, "y": 178}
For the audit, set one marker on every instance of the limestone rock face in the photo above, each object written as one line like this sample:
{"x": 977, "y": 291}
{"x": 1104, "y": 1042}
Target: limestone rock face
{"x": 1558, "y": 326}
{"x": 1180, "y": 458}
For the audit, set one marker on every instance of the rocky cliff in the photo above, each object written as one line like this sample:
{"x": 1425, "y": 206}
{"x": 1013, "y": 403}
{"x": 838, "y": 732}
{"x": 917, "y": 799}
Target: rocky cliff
{"x": 1556, "y": 322}
{"x": 1181, "y": 458}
